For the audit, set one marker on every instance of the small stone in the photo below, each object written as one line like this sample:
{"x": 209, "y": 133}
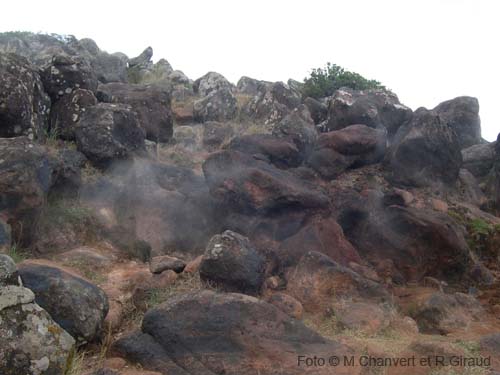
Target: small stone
{"x": 165, "y": 262}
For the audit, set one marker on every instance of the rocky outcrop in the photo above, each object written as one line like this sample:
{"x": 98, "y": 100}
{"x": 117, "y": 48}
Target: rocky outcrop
{"x": 211, "y": 82}
{"x": 425, "y": 151}
{"x": 108, "y": 133}
{"x": 299, "y": 128}
{"x": 77, "y": 305}
{"x": 318, "y": 110}
{"x": 350, "y": 147}
{"x": 151, "y": 103}
{"x": 250, "y": 86}
{"x": 479, "y": 158}
{"x": 241, "y": 335}
{"x": 32, "y": 343}
{"x": 217, "y": 105}
{"x": 231, "y": 262}
{"x": 373, "y": 108}
{"x": 24, "y": 105}
{"x": 215, "y": 134}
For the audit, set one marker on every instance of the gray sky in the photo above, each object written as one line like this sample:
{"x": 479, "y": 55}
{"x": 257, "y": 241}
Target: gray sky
{"x": 426, "y": 51}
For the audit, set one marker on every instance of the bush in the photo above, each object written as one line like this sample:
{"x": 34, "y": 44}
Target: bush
{"x": 325, "y": 81}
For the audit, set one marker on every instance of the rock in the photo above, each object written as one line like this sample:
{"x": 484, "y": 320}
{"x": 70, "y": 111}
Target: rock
{"x": 109, "y": 132}
{"x": 316, "y": 278}
{"x": 66, "y": 112}
{"x": 215, "y": 134}
{"x": 143, "y": 59}
{"x": 5, "y": 236}
{"x": 444, "y": 313}
{"x": 211, "y": 82}
{"x": 419, "y": 242}
{"x": 250, "y": 86}
{"x": 65, "y": 74}
{"x": 218, "y": 105}
{"x": 318, "y": 110}
{"x": 362, "y": 317}
{"x": 77, "y": 305}
{"x": 32, "y": 343}
{"x": 350, "y": 147}
{"x": 470, "y": 188}
{"x": 245, "y": 184}
{"x": 479, "y": 158}
{"x": 491, "y": 343}
{"x": 462, "y": 115}
{"x": 297, "y": 127}
{"x": 110, "y": 67}
{"x": 318, "y": 234}
{"x": 265, "y": 338}
{"x": 27, "y": 172}
{"x": 287, "y": 304}
{"x": 281, "y": 153}
{"x": 165, "y": 262}
{"x": 373, "y": 108}
{"x": 194, "y": 265}
{"x": 425, "y": 151}
{"x": 151, "y": 103}
{"x": 231, "y": 262}
{"x": 24, "y": 105}
{"x": 272, "y": 103}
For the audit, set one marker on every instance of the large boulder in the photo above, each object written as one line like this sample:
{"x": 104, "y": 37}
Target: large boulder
{"x": 272, "y": 103}
{"x": 216, "y": 134}
{"x": 211, "y": 82}
{"x": 65, "y": 74}
{"x": 109, "y": 132}
{"x": 77, "y": 305}
{"x": 462, "y": 115}
{"x": 66, "y": 112}
{"x": 151, "y": 103}
{"x": 297, "y": 127}
{"x": 425, "y": 151}
{"x": 208, "y": 332}
{"x": 245, "y": 184}
{"x": 251, "y": 86}
{"x": 350, "y": 147}
{"x": 31, "y": 342}
{"x": 217, "y": 105}
{"x": 373, "y": 108}
{"x": 24, "y": 105}
{"x": 143, "y": 59}
{"x": 479, "y": 159}
{"x": 318, "y": 110}
{"x": 27, "y": 172}
{"x": 231, "y": 262}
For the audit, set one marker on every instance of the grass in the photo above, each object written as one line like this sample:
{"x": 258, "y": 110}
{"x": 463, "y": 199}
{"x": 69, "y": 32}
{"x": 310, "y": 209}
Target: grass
{"x": 88, "y": 271}
{"x": 76, "y": 364}
{"x": 16, "y": 254}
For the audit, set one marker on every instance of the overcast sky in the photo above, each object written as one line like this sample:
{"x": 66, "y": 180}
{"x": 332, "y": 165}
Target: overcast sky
{"x": 426, "y": 51}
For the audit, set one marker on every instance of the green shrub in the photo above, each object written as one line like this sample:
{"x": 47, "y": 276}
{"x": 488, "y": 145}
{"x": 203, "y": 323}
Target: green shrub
{"x": 325, "y": 81}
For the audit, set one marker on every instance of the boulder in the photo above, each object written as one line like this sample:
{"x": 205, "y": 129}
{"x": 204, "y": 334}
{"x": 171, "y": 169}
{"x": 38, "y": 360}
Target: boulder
{"x": 211, "y": 82}
{"x": 350, "y": 147}
{"x": 244, "y": 184}
{"x": 151, "y": 103}
{"x": 317, "y": 278}
{"x": 442, "y": 313}
{"x": 231, "y": 262}
{"x": 27, "y": 172}
{"x": 318, "y": 110}
{"x": 297, "y": 127}
{"x": 143, "y": 59}
{"x": 24, "y": 105}
{"x": 361, "y": 317}
{"x": 250, "y": 86}
{"x": 109, "y": 132}
{"x": 373, "y": 108}
{"x": 66, "y": 112}
{"x": 462, "y": 115}
{"x": 479, "y": 158}
{"x": 32, "y": 343}
{"x": 279, "y": 152}
{"x": 77, "y": 305}
{"x": 217, "y": 105}
{"x": 65, "y": 74}
{"x": 165, "y": 262}
{"x": 425, "y": 151}
{"x": 287, "y": 304}
{"x": 5, "y": 236}
{"x": 272, "y": 103}
{"x": 208, "y": 332}
{"x": 215, "y": 134}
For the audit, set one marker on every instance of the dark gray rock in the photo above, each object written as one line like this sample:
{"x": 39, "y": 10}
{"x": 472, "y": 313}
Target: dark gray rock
{"x": 479, "y": 158}
{"x": 231, "y": 262}
{"x": 211, "y": 82}
{"x": 318, "y": 110}
{"x": 77, "y": 305}
{"x": 217, "y": 105}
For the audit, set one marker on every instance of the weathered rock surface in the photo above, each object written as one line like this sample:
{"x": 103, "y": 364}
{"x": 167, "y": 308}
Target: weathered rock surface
{"x": 24, "y": 105}
{"x": 318, "y": 110}
{"x": 231, "y": 262}
{"x": 297, "y": 127}
{"x": 373, "y": 108}
{"x": 215, "y": 134}
{"x": 151, "y": 103}
{"x": 251, "y": 86}
{"x": 109, "y": 132}
{"x": 479, "y": 158}
{"x": 217, "y": 105}
{"x": 211, "y": 82}
{"x": 165, "y": 262}
{"x": 77, "y": 305}
{"x": 31, "y": 342}
{"x": 208, "y": 332}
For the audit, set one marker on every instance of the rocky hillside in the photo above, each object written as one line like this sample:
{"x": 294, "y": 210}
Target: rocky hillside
{"x": 165, "y": 226}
